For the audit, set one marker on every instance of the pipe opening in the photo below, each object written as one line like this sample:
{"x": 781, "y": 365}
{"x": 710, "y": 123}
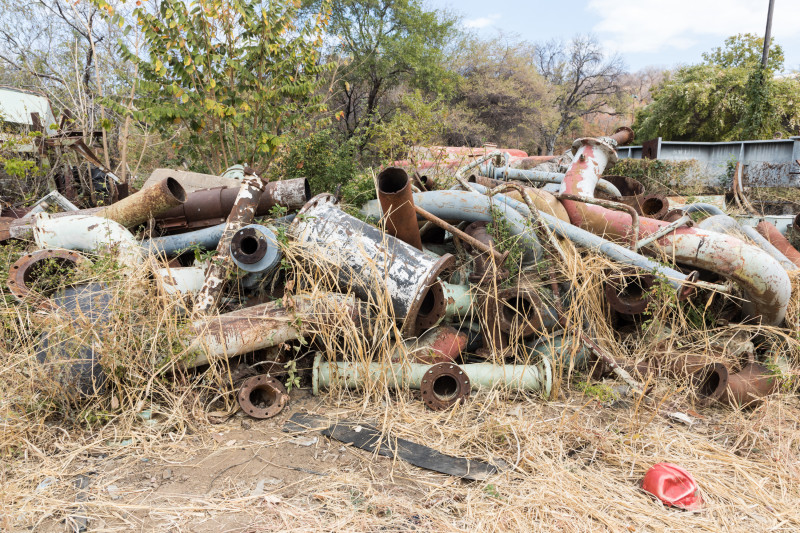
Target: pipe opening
{"x": 709, "y": 384}
{"x": 445, "y": 388}
{"x": 428, "y": 304}
{"x": 47, "y": 275}
{"x": 519, "y": 307}
{"x": 263, "y": 397}
{"x": 249, "y": 245}
{"x": 652, "y": 206}
{"x": 176, "y": 189}
{"x": 392, "y": 180}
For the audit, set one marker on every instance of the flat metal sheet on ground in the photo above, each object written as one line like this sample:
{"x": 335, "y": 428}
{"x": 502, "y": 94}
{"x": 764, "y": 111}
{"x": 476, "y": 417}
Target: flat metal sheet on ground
{"x": 367, "y": 437}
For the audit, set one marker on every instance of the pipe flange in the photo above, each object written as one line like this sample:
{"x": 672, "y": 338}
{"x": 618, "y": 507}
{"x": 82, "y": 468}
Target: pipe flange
{"x": 22, "y": 273}
{"x": 249, "y": 246}
{"x": 443, "y": 385}
{"x": 711, "y": 383}
{"x": 429, "y": 306}
{"x": 629, "y": 292}
{"x": 262, "y": 396}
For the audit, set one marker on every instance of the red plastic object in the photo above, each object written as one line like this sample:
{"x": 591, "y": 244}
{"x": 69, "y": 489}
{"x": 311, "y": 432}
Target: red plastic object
{"x": 673, "y": 485}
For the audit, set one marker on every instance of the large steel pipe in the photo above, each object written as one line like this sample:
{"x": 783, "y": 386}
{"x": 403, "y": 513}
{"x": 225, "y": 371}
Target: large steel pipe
{"x": 138, "y": 208}
{"x": 763, "y": 279}
{"x": 371, "y": 262}
{"x": 397, "y": 203}
{"x": 210, "y": 207}
{"x": 775, "y": 238}
{"x": 326, "y": 374}
{"x": 262, "y": 326}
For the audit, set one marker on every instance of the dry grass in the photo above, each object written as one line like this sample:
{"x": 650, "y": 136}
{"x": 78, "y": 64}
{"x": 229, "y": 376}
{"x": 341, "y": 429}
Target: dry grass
{"x": 577, "y": 457}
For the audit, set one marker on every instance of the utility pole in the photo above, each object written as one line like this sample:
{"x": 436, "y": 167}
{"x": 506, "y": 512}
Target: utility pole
{"x": 767, "y": 35}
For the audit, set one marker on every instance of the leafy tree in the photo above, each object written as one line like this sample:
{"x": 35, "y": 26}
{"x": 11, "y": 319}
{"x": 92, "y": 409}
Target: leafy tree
{"x": 235, "y": 76}
{"x": 744, "y": 50}
{"x": 582, "y": 81}
{"x": 728, "y": 97}
{"x": 386, "y": 45}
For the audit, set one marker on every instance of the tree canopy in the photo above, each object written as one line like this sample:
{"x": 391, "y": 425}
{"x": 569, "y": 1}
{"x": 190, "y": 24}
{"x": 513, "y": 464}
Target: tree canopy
{"x": 727, "y": 97}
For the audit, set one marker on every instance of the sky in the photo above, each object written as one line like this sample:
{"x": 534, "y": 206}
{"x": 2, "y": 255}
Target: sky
{"x": 660, "y": 33}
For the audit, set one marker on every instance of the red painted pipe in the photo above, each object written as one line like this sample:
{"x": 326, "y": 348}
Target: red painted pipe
{"x": 765, "y": 281}
{"x": 771, "y": 233}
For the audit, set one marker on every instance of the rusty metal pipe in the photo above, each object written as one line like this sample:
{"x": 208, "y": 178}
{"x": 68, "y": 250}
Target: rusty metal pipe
{"x": 750, "y": 385}
{"x": 617, "y": 206}
{"x": 763, "y": 279}
{"x": 262, "y": 326}
{"x": 622, "y": 136}
{"x": 209, "y": 207}
{"x": 500, "y": 257}
{"x": 775, "y": 238}
{"x": 397, "y": 204}
{"x": 138, "y": 208}
{"x": 241, "y": 215}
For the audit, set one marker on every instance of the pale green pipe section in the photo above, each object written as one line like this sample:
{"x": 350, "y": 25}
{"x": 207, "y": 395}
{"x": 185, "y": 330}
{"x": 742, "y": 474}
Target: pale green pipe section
{"x": 459, "y": 300}
{"x": 481, "y": 375}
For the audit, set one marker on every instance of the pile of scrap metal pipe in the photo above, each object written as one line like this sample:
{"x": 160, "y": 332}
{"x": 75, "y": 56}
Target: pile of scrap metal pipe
{"x": 437, "y": 263}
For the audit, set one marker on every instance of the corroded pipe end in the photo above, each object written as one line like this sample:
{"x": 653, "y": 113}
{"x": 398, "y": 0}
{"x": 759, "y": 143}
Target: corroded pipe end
{"x": 443, "y": 385}
{"x": 654, "y": 206}
{"x": 629, "y": 292}
{"x": 392, "y": 180}
{"x": 171, "y": 187}
{"x": 623, "y": 135}
{"x": 397, "y": 203}
{"x": 520, "y": 311}
{"x": 750, "y": 385}
{"x": 262, "y": 396}
{"x": 711, "y": 382}
{"x": 249, "y": 246}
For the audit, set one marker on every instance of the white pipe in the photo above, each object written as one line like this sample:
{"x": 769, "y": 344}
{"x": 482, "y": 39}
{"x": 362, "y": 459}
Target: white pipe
{"x": 182, "y": 280}
{"x": 88, "y": 234}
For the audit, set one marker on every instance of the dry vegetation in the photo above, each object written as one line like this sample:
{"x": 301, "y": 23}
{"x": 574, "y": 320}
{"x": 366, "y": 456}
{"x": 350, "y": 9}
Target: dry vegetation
{"x": 165, "y": 449}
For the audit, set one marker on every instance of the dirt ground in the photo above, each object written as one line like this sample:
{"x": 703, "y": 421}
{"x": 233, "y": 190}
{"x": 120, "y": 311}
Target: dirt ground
{"x": 577, "y": 465}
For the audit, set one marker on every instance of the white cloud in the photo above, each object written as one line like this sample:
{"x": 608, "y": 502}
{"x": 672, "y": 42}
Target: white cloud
{"x": 657, "y": 25}
{"x": 482, "y": 22}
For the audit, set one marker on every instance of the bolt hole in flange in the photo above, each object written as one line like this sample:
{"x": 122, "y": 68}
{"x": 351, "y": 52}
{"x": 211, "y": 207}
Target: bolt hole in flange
{"x": 443, "y": 385}
{"x": 262, "y": 396}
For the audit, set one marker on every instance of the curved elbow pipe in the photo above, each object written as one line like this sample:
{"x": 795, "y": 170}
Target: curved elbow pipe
{"x": 473, "y": 207}
{"x": 729, "y": 226}
{"x": 87, "y": 234}
{"x": 764, "y": 280}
